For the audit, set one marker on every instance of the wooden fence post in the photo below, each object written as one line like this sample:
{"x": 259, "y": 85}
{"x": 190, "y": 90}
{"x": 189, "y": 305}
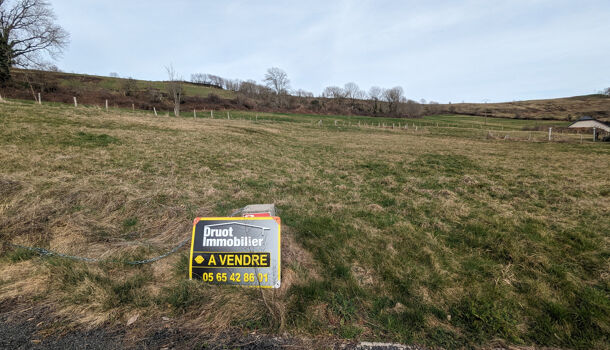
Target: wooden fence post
{"x": 75, "y": 103}
{"x": 550, "y": 134}
{"x": 39, "y": 99}
{"x": 155, "y": 110}
{"x": 107, "y": 106}
{"x": 194, "y": 114}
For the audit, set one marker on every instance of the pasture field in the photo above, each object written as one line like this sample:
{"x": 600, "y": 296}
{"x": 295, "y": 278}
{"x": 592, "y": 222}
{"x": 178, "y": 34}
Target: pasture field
{"x": 452, "y": 235}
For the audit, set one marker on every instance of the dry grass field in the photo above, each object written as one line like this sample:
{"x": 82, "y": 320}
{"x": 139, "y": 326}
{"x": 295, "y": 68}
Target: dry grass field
{"x": 451, "y": 235}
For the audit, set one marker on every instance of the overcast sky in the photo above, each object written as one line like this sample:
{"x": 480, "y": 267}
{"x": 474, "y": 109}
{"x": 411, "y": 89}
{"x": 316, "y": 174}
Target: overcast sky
{"x": 438, "y": 50}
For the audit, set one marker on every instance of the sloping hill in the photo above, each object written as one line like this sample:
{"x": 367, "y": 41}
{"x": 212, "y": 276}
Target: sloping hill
{"x": 122, "y": 92}
{"x": 569, "y": 108}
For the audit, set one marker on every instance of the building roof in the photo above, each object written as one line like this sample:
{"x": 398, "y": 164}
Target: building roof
{"x": 603, "y": 125}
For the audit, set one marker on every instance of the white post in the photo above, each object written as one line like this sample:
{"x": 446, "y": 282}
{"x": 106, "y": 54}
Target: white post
{"x": 392, "y": 125}
{"x": 550, "y": 134}
{"x": 415, "y": 127}
{"x": 107, "y": 106}
{"x": 154, "y": 110}
{"x": 228, "y": 117}
{"x": 194, "y": 114}
{"x": 39, "y": 100}
{"x": 75, "y": 103}
{"x": 133, "y": 107}
{"x": 594, "y": 134}
{"x": 580, "y": 138}
{"x": 1, "y": 100}
{"x": 211, "y": 114}
{"x": 335, "y": 123}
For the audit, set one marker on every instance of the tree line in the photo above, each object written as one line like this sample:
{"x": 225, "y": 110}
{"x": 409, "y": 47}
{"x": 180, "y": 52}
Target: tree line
{"x": 275, "y": 91}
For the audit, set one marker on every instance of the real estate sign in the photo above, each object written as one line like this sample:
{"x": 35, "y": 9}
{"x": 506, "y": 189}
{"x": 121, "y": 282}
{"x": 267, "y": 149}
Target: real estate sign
{"x": 236, "y": 250}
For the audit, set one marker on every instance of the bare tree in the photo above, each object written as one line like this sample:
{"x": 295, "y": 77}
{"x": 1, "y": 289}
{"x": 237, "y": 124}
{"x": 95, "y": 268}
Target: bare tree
{"x": 333, "y": 92}
{"x": 352, "y": 92}
{"x": 174, "y": 88}
{"x": 412, "y": 108}
{"x": 375, "y": 94}
{"x": 393, "y": 96}
{"x": 27, "y": 31}
{"x": 303, "y": 93}
{"x": 200, "y": 78}
{"x": 277, "y": 80}
{"x": 129, "y": 86}
{"x": 606, "y": 91}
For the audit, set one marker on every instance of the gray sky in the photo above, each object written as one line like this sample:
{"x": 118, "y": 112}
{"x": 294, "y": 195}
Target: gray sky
{"x": 438, "y": 50}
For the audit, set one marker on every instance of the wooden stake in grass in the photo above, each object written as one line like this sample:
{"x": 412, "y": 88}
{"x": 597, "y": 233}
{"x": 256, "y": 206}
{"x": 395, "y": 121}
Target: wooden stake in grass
{"x": 228, "y": 116}
{"x": 75, "y": 103}
{"x": 107, "y": 107}
{"x": 550, "y": 134}
{"x": 155, "y": 110}
{"x": 194, "y": 114}
{"x": 211, "y": 114}
{"x": 133, "y": 107}
{"x": 39, "y": 99}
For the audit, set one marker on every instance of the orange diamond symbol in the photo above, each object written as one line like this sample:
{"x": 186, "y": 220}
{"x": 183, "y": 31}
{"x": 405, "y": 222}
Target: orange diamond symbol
{"x": 199, "y": 259}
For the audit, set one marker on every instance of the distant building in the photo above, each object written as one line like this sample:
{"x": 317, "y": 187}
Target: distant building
{"x": 590, "y": 123}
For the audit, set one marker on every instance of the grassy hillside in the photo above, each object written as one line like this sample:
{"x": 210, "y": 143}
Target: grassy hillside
{"x": 94, "y": 83}
{"x": 570, "y": 108}
{"x": 144, "y": 95}
{"x": 449, "y": 233}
